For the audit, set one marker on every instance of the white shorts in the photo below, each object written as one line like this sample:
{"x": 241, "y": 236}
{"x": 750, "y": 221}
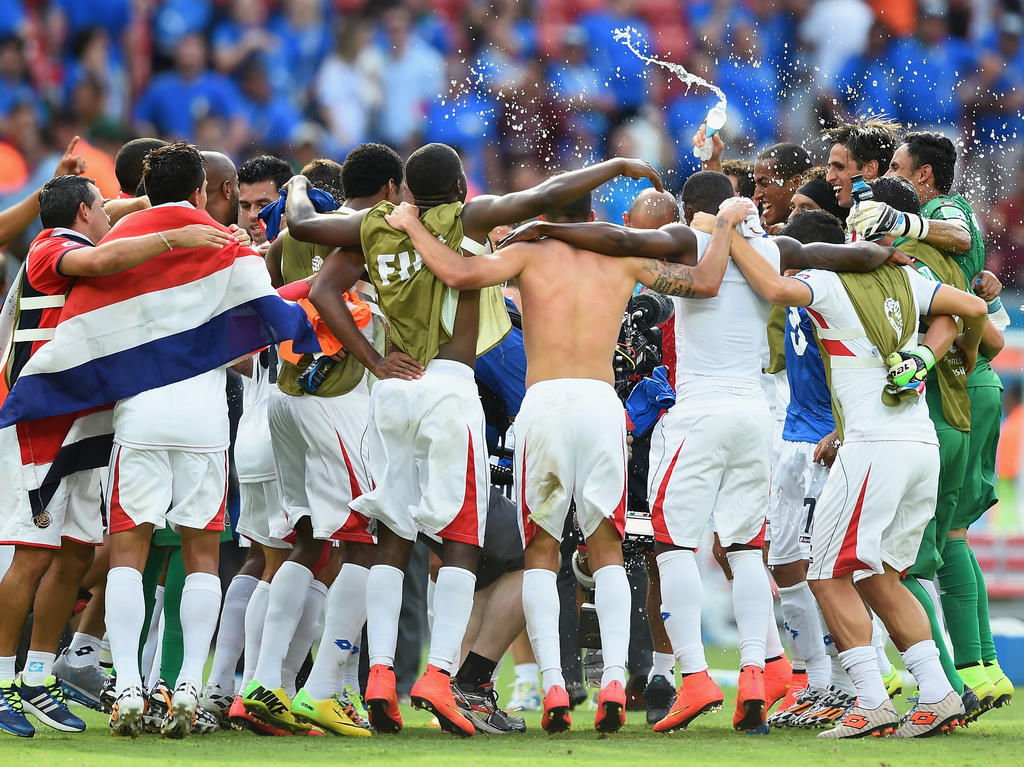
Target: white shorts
{"x": 428, "y": 455}
{"x": 711, "y": 459}
{"x": 570, "y": 443}
{"x": 797, "y": 482}
{"x": 166, "y": 487}
{"x": 877, "y": 500}
{"x": 261, "y": 517}
{"x": 72, "y": 513}
{"x": 320, "y": 461}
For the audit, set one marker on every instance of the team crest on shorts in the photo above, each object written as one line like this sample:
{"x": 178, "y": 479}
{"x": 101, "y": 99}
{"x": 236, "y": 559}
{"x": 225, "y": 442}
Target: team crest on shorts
{"x": 42, "y": 520}
{"x": 894, "y": 314}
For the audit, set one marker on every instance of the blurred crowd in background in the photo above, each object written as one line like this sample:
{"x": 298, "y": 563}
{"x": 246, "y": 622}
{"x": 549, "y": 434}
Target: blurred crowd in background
{"x": 521, "y": 87}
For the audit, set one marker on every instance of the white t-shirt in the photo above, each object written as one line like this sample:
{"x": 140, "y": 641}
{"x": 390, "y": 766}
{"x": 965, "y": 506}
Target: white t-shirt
{"x": 719, "y": 340}
{"x": 191, "y": 415}
{"x": 857, "y": 383}
{"x": 254, "y": 456}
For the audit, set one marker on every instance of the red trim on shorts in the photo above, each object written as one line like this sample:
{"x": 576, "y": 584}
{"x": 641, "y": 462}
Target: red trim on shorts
{"x": 119, "y": 519}
{"x": 355, "y": 529}
{"x": 466, "y": 525}
{"x": 323, "y": 559}
{"x": 661, "y": 533}
{"x": 217, "y": 523}
{"x": 529, "y": 526}
{"x": 758, "y": 540}
{"x": 352, "y": 481}
{"x": 847, "y": 561}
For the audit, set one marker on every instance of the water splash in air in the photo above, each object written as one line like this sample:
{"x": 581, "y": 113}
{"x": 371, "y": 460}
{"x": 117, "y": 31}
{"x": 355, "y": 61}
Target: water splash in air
{"x": 624, "y": 35}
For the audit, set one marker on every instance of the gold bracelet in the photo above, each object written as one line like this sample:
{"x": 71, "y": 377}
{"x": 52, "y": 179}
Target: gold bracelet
{"x": 164, "y": 240}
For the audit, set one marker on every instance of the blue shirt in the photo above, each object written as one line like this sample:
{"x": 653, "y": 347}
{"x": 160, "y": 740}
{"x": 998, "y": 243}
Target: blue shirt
{"x": 809, "y": 415}
{"x": 173, "y": 106}
{"x": 503, "y": 371}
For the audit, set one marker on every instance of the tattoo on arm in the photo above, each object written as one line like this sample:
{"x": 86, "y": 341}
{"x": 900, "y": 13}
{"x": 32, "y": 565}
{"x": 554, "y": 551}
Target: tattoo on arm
{"x": 671, "y": 279}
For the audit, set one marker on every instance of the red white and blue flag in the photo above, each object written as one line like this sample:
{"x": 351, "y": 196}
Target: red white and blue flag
{"x": 180, "y": 314}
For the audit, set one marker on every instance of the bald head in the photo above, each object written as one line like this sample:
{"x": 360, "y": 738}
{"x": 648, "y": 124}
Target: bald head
{"x": 652, "y": 210}
{"x": 221, "y": 188}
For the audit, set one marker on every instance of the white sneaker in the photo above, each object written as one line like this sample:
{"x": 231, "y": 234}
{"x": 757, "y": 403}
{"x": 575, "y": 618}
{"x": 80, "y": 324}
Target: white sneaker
{"x": 525, "y": 697}
{"x": 182, "y": 713}
{"x": 216, "y": 700}
{"x": 860, "y": 722}
{"x": 927, "y": 719}
{"x": 126, "y": 712}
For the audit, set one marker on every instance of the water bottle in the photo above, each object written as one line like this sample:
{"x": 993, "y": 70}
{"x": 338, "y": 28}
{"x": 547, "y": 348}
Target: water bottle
{"x": 315, "y": 374}
{"x": 714, "y": 123}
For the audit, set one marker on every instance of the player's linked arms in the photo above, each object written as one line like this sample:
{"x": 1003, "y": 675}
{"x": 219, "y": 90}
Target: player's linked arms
{"x": 667, "y": 278}
{"x": 854, "y": 257}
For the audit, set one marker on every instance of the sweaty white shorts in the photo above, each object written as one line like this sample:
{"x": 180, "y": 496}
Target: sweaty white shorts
{"x": 797, "y": 482}
{"x": 261, "y": 516}
{"x": 570, "y": 443}
{"x": 166, "y": 487}
{"x": 428, "y": 455}
{"x": 72, "y": 513}
{"x": 320, "y": 461}
{"x": 711, "y": 459}
{"x": 873, "y": 510}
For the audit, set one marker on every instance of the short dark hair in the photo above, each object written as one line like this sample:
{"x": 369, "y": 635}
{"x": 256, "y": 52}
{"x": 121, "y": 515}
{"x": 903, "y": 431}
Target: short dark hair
{"x": 788, "y": 158}
{"x": 897, "y": 193}
{"x": 743, "y": 170}
{"x": 432, "y": 171}
{"x": 706, "y": 190}
{"x": 326, "y": 175}
{"x": 867, "y": 140}
{"x": 574, "y": 212}
{"x": 60, "y": 199}
{"x": 265, "y": 167}
{"x": 128, "y": 163}
{"x": 368, "y": 167}
{"x": 173, "y": 172}
{"x": 930, "y": 148}
{"x": 815, "y": 226}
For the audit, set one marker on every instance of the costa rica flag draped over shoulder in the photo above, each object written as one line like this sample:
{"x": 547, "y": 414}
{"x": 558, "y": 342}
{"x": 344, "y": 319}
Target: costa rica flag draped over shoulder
{"x": 182, "y": 313}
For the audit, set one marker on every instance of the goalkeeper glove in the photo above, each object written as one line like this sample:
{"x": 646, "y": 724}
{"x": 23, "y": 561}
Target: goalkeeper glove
{"x": 908, "y": 369}
{"x": 874, "y": 220}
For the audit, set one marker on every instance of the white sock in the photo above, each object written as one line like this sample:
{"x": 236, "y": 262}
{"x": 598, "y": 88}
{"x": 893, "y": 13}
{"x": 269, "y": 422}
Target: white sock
{"x": 453, "y": 602}
{"x": 346, "y": 613}
{"x": 231, "y": 631}
{"x": 751, "y": 603}
{"x": 151, "y": 673}
{"x": 801, "y": 621}
{"x": 125, "y": 614}
{"x": 862, "y": 666}
{"x": 681, "y": 597}
{"x": 288, "y": 592}
{"x": 154, "y": 637}
{"x": 255, "y": 617}
{"x": 200, "y": 606}
{"x": 613, "y": 603}
{"x": 772, "y": 641}
{"x": 349, "y": 676}
{"x": 383, "y": 606}
{"x": 540, "y": 603}
{"x": 7, "y": 672}
{"x": 83, "y": 651}
{"x": 526, "y": 673}
{"x": 929, "y": 586}
{"x": 310, "y": 628}
{"x": 922, "y": 661}
{"x": 663, "y": 664}
{"x": 38, "y": 666}
{"x": 879, "y": 636}
{"x": 431, "y": 588}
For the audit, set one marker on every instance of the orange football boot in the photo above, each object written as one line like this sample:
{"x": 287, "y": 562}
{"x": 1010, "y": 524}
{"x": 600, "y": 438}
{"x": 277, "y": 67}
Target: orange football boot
{"x": 698, "y": 694}
{"x": 382, "y": 700}
{"x": 433, "y": 692}
{"x": 778, "y": 676}
{"x": 611, "y": 708}
{"x": 556, "y": 711}
{"x": 750, "y": 699}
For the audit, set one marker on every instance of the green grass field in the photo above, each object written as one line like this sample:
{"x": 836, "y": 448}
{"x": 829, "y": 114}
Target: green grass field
{"x": 996, "y": 739}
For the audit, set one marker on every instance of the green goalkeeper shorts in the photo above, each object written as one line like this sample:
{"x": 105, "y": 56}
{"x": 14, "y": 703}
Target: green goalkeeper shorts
{"x": 979, "y": 491}
{"x": 953, "y": 453}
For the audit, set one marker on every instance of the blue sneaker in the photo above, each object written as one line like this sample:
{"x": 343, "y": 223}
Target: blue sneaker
{"x": 47, "y": 704}
{"x": 12, "y": 715}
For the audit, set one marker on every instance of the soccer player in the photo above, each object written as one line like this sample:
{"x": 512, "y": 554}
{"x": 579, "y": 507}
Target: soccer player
{"x": 259, "y": 178}
{"x": 54, "y": 547}
{"x": 570, "y": 432}
{"x": 863, "y": 148}
{"x": 128, "y": 165}
{"x": 880, "y": 493}
{"x": 778, "y": 171}
{"x": 320, "y": 468}
{"x": 169, "y": 466}
{"x": 435, "y": 422}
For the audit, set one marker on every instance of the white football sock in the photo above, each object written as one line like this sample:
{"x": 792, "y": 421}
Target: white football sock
{"x": 879, "y": 636}
{"x": 349, "y": 676}
{"x": 288, "y": 592}
{"x": 383, "y": 606}
{"x": 803, "y": 624}
{"x": 152, "y": 674}
{"x": 540, "y": 603}
{"x": 431, "y": 588}
{"x": 526, "y": 673}
{"x": 310, "y": 628}
{"x": 922, "y": 661}
{"x": 613, "y": 603}
{"x": 200, "y": 606}
{"x": 38, "y": 666}
{"x": 453, "y": 603}
{"x": 7, "y": 662}
{"x": 681, "y": 596}
{"x": 346, "y": 613}
{"x": 125, "y": 614}
{"x": 862, "y": 666}
{"x": 154, "y": 638}
{"x": 772, "y": 641}
{"x": 663, "y": 664}
{"x": 751, "y": 603}
{"x": 255, "y": 617}
{"x": 83, "y": 651}
{"x": 231, "y": 632}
